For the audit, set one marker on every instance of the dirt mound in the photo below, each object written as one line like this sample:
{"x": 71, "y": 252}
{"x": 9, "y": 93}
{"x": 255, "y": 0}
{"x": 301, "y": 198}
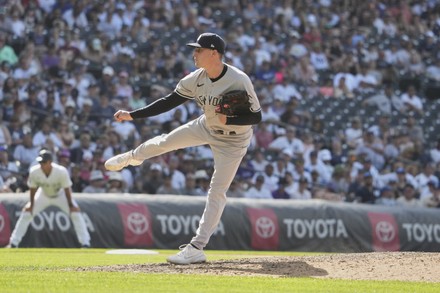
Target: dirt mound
{"x": 402, "y": 266}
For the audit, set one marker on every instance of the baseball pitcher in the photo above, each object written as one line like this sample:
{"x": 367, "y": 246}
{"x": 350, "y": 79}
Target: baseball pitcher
{"x": 230, "y": 108}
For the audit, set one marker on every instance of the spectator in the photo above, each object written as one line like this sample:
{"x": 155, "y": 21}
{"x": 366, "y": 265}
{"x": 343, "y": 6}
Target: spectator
{"x": 65, "y": 134}
{"x": 202, "y": 181}
{"x": 303, "y": 71}
{"x": 386, "y": 197}
{"x": 96, "y": 183}
{"x": 435, "y": 152}
{"x": 17, "y": 131}
{"x": 408, "y": 198}
{"x": 385, "y": 101}
{"x": 364, "y": 81}
{"x": 258, "y": 161}
{"x": 423, "y": 178}
{"x": 177, "y": 177}
{"x": 372, "y": 147}
{"x": 315, "y": 164}
{"x": 432, "y": 72}
{"x": 47, "y": 136}
{"x": 7, "y": 53}
{"x": 259, "y": 190}
{"x": 286, "y": 91}
{"x": 366, "y": 192}
{"x": 167, "y": 186}
{"x": 235, "y": 190}
{"x": 190, "y": 187}
{"x": 280, "y": 192}
{"x": 353, "y": 133}
{"x": 433, "y": 199}
{"x": 288, "y": 141}
{"x": 116, "y": 183}
{"x": 341, "y": 89}
{"x": 26, "y": 152}
{"x": 263, "y": 136}
{"x": 5, "y": 134}
{"x": 301, "y": 191}
{"x": 412, "y": 102}
{"x": 270, "y": 179}
{"x": 8, "y": 168}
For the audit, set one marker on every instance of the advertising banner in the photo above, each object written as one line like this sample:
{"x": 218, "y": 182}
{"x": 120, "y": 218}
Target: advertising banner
{"x": 166, "y": 221}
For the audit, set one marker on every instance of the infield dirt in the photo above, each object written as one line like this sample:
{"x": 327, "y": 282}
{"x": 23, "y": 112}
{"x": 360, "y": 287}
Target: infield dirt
{"x": 400, "y": 266}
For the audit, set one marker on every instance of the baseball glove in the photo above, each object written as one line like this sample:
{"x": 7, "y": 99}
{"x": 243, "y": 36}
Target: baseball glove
{"x": 234, "y": 103}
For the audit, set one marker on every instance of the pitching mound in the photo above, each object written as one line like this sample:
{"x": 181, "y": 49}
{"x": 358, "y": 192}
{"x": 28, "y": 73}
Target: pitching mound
{"x": 402, "y": 266}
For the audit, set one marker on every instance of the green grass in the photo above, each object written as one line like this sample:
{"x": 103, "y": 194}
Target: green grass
{"x": 44, "y": 270}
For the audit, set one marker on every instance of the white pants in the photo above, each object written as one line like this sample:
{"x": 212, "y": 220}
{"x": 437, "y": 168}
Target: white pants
{"x": 228, "y": 151}
{"x": 41, "y": 202}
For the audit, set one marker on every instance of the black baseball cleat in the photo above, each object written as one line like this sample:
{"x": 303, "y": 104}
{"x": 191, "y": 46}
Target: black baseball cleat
{"x": 85, "y": 246}
{"x": 11, "y": 246}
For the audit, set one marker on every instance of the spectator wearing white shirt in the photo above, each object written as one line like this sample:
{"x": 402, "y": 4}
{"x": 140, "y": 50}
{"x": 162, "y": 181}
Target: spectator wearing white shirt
{"x": 434, "y": 153}
{"x": 288, "y": 141}
{"x": 268, "y": 113}
{"x": 367, "y": 167}
{"x": 15, "y": 23}
{"x": 270, "y": 179}
{"x": 301, "y": 192}
{"x": 387, "y": 197}
{"x": 432, "y": 200}
{"x": 411, "y": 101}
{"x": 300, "y": 171}
{"x": 408, "y": 198}
{"x": 365, "y": 82}
{"x": 353, "y": 133}
{"x": 286, "y": 91}
{"x": 318, "y": 58}
{"x": 258, "y": 190}
{"x": 373, "y": 147}
{"x": 350, "y": 80}
{"x": 126, "y": 129}
{"x": 75, "y": 16}
{"x": 47, "y": 136}
{"x": 433, "y": 71}
{"x": 8, "y": 168}
{"x": 177, "y": 177}
{"x": 312, "y": 163}
{"x": 26, "y": 152}
{"x": 423, "y": 178}
{"x": 325, "y": 156}
{"x": 283, "y": 163}
{"x": 258, "y": 161}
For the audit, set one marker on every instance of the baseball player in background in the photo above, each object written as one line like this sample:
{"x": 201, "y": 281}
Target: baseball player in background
{"x": 49, "y": 185}
{"x": 228, "y": 136}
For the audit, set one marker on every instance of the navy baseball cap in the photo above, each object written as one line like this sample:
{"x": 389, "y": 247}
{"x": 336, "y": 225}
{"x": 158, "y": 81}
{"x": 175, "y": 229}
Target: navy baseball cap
{"x": 209, "y": 41}
{"x": 44, "y": 156}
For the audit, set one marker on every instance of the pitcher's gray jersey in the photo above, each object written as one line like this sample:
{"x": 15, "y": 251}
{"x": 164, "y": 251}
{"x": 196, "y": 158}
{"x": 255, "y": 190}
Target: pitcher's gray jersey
{"x": 198, "y": 86}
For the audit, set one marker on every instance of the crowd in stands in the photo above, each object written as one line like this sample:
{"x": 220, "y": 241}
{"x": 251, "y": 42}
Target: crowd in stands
{"x": 349, "y": 93}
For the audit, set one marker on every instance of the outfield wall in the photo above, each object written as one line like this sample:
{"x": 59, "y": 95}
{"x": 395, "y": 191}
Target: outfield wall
{"x": 165, "y": 222}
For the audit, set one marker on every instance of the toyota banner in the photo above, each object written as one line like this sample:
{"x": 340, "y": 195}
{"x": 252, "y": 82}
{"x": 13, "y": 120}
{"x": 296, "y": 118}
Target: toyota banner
{"x": 165, "y": 222}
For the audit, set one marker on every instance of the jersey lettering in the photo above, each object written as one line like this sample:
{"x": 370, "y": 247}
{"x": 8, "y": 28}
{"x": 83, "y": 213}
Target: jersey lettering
{"x": 210, "y": 100}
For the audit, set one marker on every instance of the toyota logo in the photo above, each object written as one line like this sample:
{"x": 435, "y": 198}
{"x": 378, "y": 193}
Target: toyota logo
{"x": 385, "y": 231}
{"x": 265, "y": 227}
{"x": 2, "y": 223}
{"x": 137, "y": 223}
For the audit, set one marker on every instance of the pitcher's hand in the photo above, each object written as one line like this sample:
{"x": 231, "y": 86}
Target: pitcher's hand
{"x": 122, "y": 115}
